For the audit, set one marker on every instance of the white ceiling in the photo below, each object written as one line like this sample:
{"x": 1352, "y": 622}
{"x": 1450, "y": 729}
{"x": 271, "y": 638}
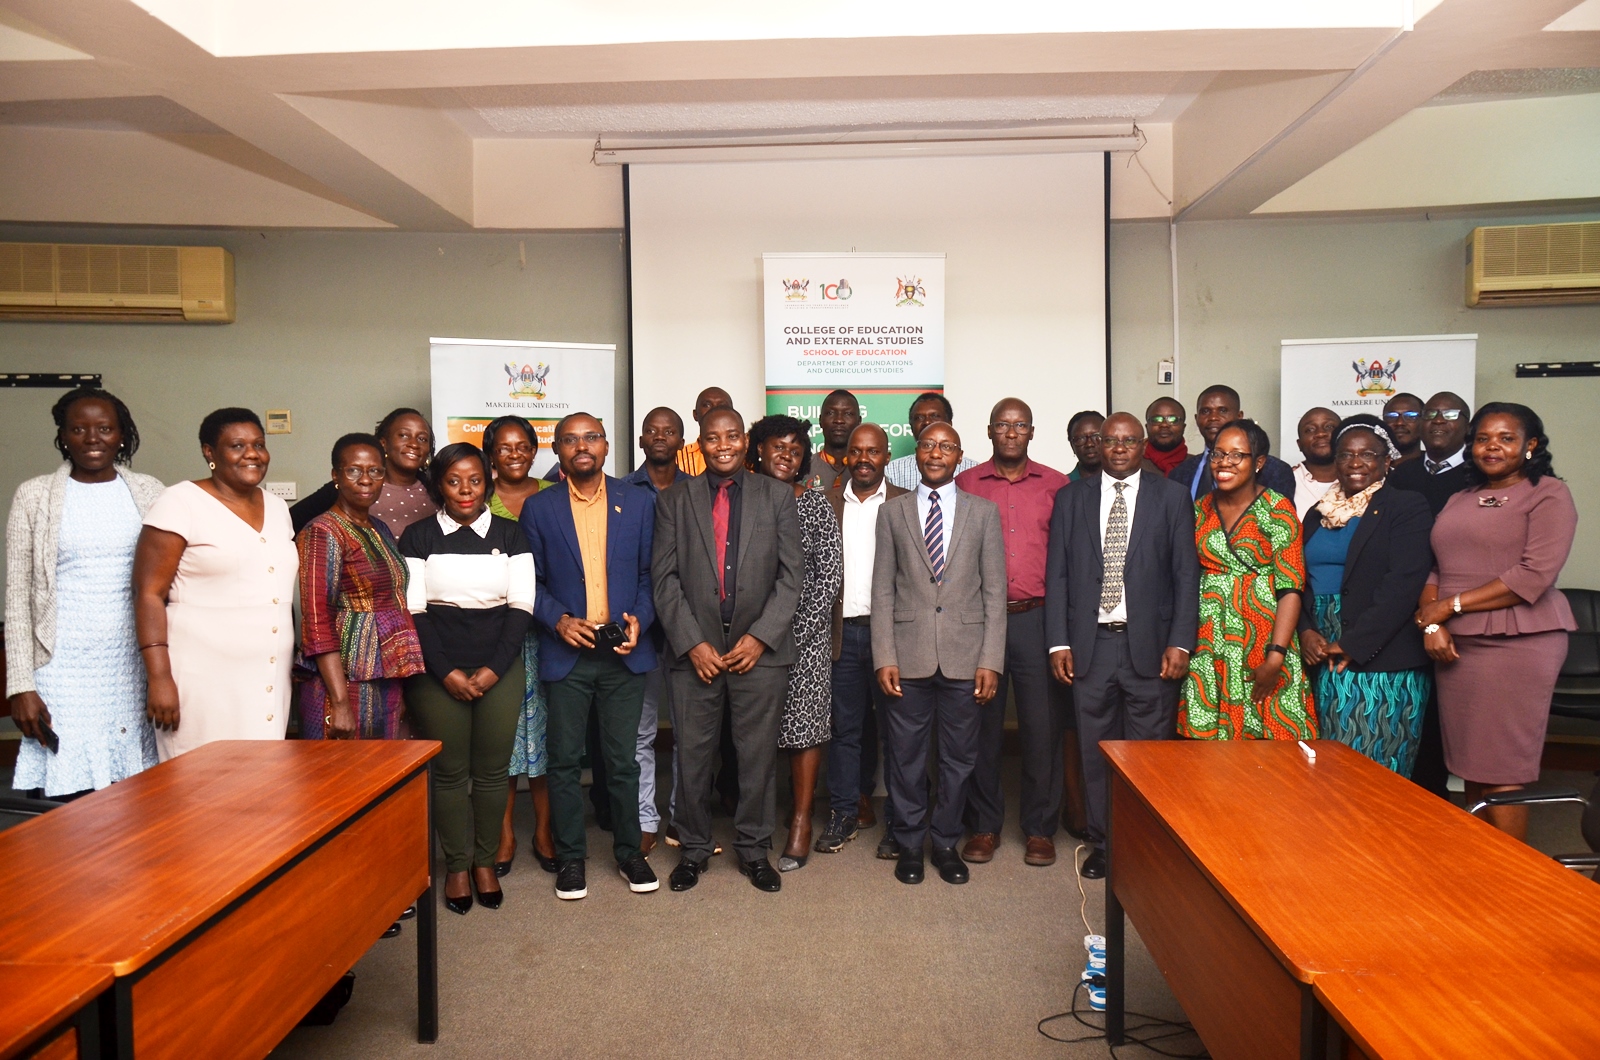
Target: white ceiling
{"x": 483, "y": 113}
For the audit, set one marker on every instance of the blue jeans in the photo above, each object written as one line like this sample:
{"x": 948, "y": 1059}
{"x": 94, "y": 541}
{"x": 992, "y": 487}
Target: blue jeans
{"x": 855, "y": 695}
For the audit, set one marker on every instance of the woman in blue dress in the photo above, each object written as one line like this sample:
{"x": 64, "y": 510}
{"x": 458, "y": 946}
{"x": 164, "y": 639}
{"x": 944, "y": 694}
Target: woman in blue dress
{"x": 74, "y": 671}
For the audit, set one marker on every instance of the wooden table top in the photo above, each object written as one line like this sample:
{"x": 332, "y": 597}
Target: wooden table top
{"x": 1341, "y": 866}
{"x": 117, "y": 877}
{"x": 39, "y": 996}
{"x": 1514, "y": 1010}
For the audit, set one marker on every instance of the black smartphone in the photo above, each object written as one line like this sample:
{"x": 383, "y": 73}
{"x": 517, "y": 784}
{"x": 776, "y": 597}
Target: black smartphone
{"x": 610, "y": 635}
{"x": 49, "y": 738}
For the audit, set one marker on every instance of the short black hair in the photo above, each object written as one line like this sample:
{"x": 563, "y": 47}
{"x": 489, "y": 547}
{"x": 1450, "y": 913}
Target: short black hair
{"x": 353, "y": 439}
{"x": 778, "y": 427}
{"x": 841, "y": 392}
{"x": 1079, "y": 417}
{"x": 1260, "y": 444}
{"x": 1150, "y": 408}
{"x": 1225, "y": 390}
{"x": 932, "y": 395}
{"x": 1537, "y": 466}
{"x": 130, "y": 433}
{"x": 382, "y": 429}
{"x": 454, "y": 453}
{"x": 561, "y": 424}
{"x": 211, "y": 426}
{"x": 491, "y": 433}
{"x": 1404, "y": 395}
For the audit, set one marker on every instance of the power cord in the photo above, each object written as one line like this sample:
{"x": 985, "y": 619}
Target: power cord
{"x": 1175, "y": 1029}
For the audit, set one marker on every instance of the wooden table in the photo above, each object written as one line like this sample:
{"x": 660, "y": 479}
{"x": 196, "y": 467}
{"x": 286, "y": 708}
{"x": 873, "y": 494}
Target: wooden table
{"x": 1272, "y": 890}
{"x": 228, "y": 889}
{"x": 50, "y": 1010}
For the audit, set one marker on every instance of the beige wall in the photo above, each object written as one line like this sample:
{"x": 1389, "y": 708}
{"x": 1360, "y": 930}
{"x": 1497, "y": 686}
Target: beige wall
{"x": 1245, "y": 285}
{"x": 331, "y": 325}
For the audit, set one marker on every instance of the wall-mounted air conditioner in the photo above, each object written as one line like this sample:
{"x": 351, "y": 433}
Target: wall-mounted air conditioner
{"x": 1534, "y": 264}
{"x": 71, "y": 281}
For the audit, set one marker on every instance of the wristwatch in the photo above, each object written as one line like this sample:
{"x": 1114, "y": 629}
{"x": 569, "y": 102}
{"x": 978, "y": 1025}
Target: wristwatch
{"x": 1279, "y": 648}
{"x": 1431, "y": 628}
{"x": 1455, "y": 604}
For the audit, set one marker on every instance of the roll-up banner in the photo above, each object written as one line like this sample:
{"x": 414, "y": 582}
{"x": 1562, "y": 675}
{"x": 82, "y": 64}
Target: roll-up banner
{"x": 1361, "y": 375}
{"x": 872, "y": 324}
{"x": 477, "y": 380}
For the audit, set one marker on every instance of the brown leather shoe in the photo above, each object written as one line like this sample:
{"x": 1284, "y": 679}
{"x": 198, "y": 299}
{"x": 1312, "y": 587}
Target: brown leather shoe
{"x": 1041, "y": 851}
{"x": 864, "y": 815}
{"x": 647, "y": 843}
{"x": 980, "y": 848}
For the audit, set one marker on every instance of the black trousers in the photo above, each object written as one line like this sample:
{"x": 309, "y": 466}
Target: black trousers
{"x": 1044, "y": 713}
{"x": 933, "y": 702}
{"x": 754, "y": 702}
{"x": 1115, "y": 703}
{"x": 852, "y": 759}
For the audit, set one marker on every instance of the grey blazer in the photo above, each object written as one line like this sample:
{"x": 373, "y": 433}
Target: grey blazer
{"x": 952, "y": 627}
{"x": 33, "y": 533}
{"x": 683, "y": 569}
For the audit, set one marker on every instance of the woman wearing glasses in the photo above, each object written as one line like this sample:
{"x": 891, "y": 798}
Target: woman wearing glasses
{"x": 1245, "y": 678}
{"x": 407, "y": 443}
{"x": 1367, "y": 558}
{"x": 355, "y": 630}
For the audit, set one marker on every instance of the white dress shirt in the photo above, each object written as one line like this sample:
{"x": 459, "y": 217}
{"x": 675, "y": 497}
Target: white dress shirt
{"x": 1307, "y": 490}
{"x": 860, "y": 530}
{"x": 1108, "y": 497}
{"x": 947, "y": 509}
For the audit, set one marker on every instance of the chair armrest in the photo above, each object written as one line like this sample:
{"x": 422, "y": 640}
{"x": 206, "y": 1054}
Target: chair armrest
{"x": 26, "y": 807}
{"x": 1528, "y": 798}
{"x": 1580, "y": 861}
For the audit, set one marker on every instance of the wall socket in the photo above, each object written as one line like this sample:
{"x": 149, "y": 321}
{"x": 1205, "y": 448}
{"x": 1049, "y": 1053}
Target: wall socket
{"x": 286, "y": 490}
{"x": 1164, "y": 373}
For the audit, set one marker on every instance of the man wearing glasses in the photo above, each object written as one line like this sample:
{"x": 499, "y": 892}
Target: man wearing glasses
{"x": 1219, "y": 406}
{"x": 928, "y": 407}
{"x": 1402, "y": 414}
{"x": 1024, "y": 490}
{"x": 1442, "y": 471}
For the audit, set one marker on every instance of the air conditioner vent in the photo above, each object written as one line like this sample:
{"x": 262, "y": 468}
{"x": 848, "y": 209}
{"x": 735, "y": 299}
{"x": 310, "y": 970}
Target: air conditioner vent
{"x": 1534, "y": 264}
{"x": 50, "y": 281}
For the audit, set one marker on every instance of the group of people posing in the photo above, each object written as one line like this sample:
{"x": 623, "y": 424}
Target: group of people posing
{"x": 1393, "y": 591}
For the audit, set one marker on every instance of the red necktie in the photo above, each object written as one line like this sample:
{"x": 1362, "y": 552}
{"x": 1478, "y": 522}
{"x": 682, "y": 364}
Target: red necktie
{"x": 719, "y": 523}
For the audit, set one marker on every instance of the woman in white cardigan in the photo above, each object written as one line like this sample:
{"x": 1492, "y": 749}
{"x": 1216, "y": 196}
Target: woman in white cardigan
{"x": 73, "y": 676}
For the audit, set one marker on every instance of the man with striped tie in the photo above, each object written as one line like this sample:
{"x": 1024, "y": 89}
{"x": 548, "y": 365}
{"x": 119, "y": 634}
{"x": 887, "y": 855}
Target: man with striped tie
{"x": 939, "y": 645}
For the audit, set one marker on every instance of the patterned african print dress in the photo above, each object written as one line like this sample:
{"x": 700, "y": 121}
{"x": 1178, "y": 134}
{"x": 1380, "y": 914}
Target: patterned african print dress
{"x": 807, "y": 711}
{"x": 353, "y": 601}
{"x": 527, "y": 752}
{"x": 1242, "y": 575}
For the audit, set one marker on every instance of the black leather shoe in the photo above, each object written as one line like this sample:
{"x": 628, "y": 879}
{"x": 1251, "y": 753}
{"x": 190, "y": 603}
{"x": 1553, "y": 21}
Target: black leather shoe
{"x": 549, "y": 865}
{"x": 503, "y": 868}
{"x": 951, "y": 868}
{"x": 1094, "y": 866}
{"x": 909, "y": 867}
{"x": 491, "y": 899}
{"x": 686, "y": 875}
{"x": 462, "y": 905}
{"x": 570, "y": 882}
{"x": 391, "y": 931}
{"x": 409, "y": 912}
{"x": 762, "y": 875}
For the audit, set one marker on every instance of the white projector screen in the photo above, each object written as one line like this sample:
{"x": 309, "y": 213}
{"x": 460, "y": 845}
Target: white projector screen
{"x": 1024, "y": 239}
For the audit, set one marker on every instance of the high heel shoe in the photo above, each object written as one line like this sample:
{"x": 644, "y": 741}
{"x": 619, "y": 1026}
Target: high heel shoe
{"x": 790, "y": 862}
{"x": 503, "y": 868}
{"x": 547, "y": 864}
{"x": 490, "y": 899}
{"x": 462, "y": 905}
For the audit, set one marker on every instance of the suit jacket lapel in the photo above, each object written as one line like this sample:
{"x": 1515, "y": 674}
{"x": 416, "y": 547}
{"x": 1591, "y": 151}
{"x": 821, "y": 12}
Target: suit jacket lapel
{"x": 613, "y": 518}
{"x": 699, "y": 500}
{"x": 1141, "y": 515}
{"x": 752, "y": 496}
{"x": 958, "y": 523}
{"x": 1364, "y": 531}
{"x": 569, "y": 525}
{"x": 1089, "y": 516}
{"x": 914, "y": 525}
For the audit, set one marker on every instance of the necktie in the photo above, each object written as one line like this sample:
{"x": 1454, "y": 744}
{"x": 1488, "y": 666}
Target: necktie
{"x": 933, "y": 536}
{"x": 1432, "y": 466}
{"x": 1115, "y": 551}
{"x": 719, "y": 524}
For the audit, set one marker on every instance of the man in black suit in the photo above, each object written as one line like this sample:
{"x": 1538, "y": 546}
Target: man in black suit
{"x": 1442, "y": 471}
{"x": 727, "y": 567}
{"x": 1122, "y": 606}
{"x": 1218, "y": 407}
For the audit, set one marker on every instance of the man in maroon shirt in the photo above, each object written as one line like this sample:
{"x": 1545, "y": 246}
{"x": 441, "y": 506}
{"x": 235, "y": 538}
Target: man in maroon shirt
{"x": 1025, "y": 492}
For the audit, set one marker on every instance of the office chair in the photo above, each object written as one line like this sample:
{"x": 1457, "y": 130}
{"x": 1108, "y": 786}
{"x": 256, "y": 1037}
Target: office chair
{"x": 1577, "y": 693}
{"x": 1590, "y": 824}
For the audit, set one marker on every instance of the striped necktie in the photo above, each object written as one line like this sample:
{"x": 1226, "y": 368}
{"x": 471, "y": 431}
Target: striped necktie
{"x": 933, "y": 536}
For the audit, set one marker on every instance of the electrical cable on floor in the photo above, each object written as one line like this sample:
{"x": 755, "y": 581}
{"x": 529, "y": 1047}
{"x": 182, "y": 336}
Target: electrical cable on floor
{"x": 1176, "y": 1029}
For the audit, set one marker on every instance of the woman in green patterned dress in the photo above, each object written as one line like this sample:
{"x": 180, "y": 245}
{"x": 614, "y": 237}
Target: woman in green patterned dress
{"x": 511, "y": 444}
{"x": 1245, "y": 678}
{"x": 1367, "y": 558}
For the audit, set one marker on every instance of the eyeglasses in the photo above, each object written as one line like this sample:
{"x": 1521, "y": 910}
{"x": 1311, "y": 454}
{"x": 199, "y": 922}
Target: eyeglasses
{"x": 1397, "y": 414}
{"x": 1110, "y": 442}
{"x": 1355, "y": 457}
{"x": 1153, "y": 420}
{"x": 356, "y": 474}
{"x": 947, "y": 448}
{"x": 1087, "y": 439}
{"x": 1012, "y": 428}
{"x": 1222, "y": 459}
{"x": 592, "y": 438}
{"x": 1442, "y": 414}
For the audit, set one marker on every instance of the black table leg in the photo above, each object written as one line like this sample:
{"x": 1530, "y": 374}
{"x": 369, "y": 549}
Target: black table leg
{"x": 1313, "y": 1027}
{"x": 1115, "y": 998}
{"x": 428, "y": 942}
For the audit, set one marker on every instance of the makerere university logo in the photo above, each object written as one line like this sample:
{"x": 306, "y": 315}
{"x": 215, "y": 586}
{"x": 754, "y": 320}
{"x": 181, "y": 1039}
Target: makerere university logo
{"x": 1376, "y": 378}
{"x": 795, "y": 290}
{"x": 909, "y": 291}
{"x": 529, "y": 381}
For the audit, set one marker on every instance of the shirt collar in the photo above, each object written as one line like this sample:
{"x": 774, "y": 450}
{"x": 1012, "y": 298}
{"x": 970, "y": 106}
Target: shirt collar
{"x": 946, "y": 492}
{"x": 1108, "y": 484}
{"x": 881, "y": 493}
{"x": 1455, "y": 459}
{"x": 598, "y": 497}
{"x": 988, "y": 470}
{"x": 480, "y": 526}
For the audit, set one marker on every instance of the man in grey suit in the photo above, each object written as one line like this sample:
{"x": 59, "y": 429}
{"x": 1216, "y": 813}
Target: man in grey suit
{"x": 726, "y": 570}
{"x": 1122, "y": 606}
{"x": 939, "y": 643}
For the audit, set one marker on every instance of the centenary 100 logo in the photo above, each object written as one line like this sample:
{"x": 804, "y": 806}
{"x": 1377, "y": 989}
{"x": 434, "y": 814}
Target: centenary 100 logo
{"x": 909, "y": 291}
{"x": 528, "y": 381}
{"x": 837, "y": 292}
{"x": 1376, "y": 378}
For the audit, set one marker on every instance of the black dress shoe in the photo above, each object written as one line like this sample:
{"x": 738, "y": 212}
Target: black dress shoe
{"x": 392, "y": 930}
{"x": 762, "y": 875}
{"x": 951, "y": 868}
{"x": 686, "y": 875}
{"x": 490, "y": 899}
{"x": 1094, "y": 866}
{"x": 503, "y": 868}
{"x": 909, "y": 867}
{"x": 549, "y": 865}
{"x": 409, "y": 912}
{"x": 1076, "y": 833}
{"x": 462, "y": 905}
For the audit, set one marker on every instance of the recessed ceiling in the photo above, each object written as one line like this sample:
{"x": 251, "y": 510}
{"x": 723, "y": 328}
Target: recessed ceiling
{"x": 1483, "y": 85}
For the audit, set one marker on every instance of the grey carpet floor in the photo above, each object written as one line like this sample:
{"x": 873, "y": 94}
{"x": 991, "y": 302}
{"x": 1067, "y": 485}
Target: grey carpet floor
{"x": 844, "y": 962}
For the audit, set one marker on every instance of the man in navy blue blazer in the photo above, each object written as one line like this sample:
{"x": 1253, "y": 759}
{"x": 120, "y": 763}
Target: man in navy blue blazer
{"x": 592, "y": 537}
